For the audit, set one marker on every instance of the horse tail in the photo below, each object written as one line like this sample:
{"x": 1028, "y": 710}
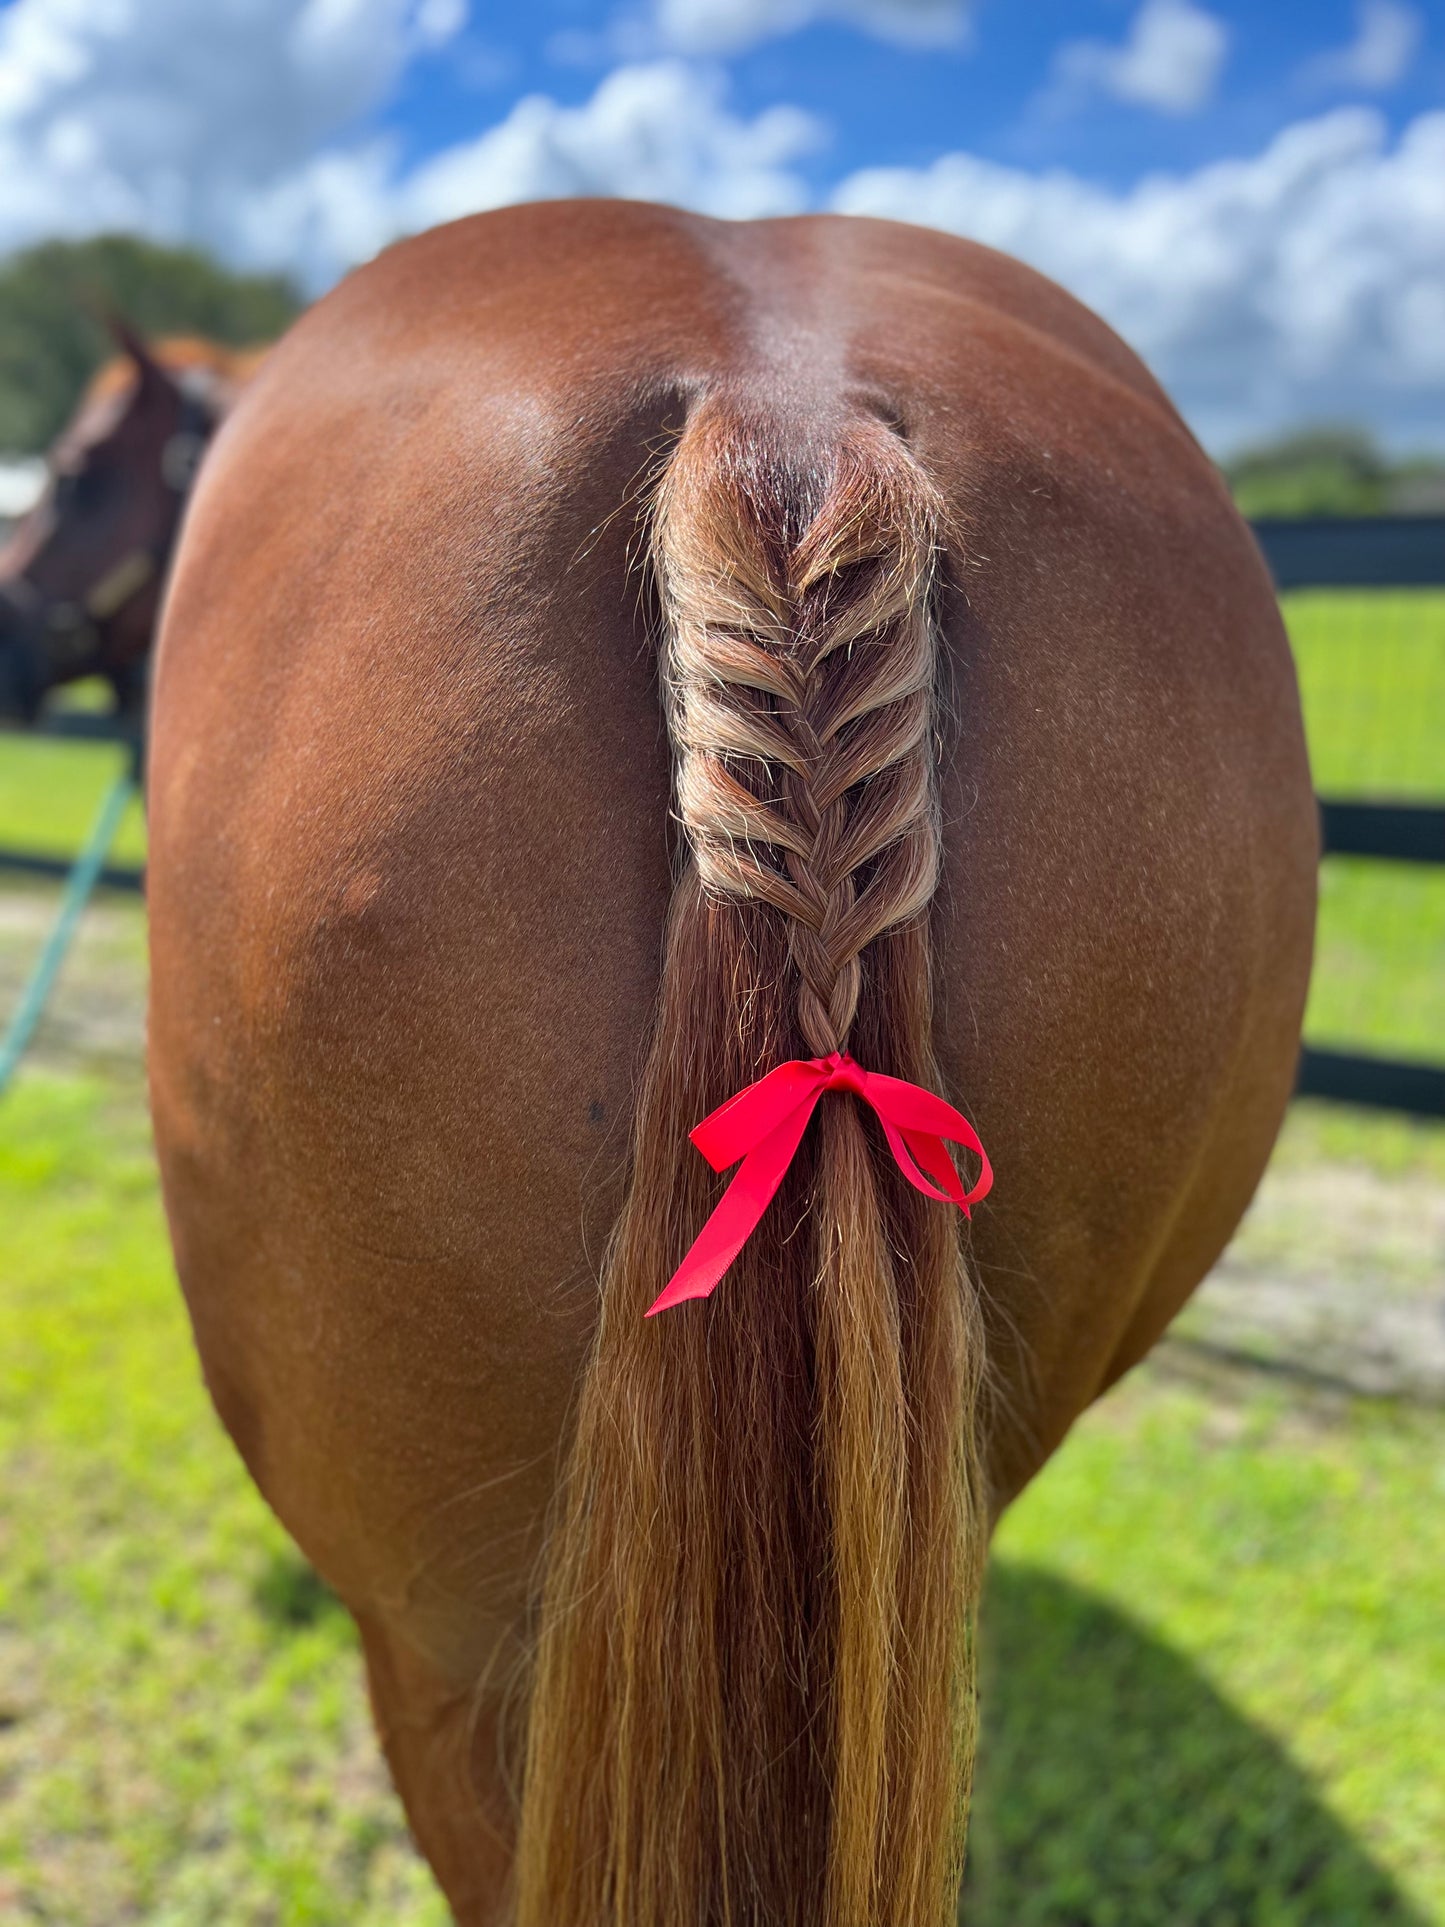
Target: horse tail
{"x": 752, "y": 1703}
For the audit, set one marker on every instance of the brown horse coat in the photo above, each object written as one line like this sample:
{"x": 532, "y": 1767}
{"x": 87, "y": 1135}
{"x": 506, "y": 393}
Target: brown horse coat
{"x": 412, "y": 858}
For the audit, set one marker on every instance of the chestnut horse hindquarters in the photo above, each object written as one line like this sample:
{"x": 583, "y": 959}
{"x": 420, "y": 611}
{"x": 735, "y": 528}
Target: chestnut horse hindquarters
{"x": 411, "y": 874}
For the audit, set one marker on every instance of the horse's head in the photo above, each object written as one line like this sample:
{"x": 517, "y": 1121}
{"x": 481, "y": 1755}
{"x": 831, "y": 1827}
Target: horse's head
{"x": 81, "y": 576}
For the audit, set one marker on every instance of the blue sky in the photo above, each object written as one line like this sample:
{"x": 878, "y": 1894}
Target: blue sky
{"x": 987, "y": 90}
{"x": 1253, "y": 195}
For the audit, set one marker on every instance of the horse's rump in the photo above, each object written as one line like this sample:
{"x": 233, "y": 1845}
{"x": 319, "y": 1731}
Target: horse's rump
{"x": 939, "y": 589}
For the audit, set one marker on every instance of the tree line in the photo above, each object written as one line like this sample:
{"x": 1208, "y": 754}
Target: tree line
{"x": 1334, "y": 471}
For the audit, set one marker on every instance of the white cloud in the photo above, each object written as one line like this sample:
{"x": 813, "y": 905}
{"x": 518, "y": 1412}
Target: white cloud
{"x": 439, "y": 21}
{"x": 728, "y": 26}
{"x": 1387, "y": 36}
{"x": 1170, "y": 60}
{"x": 230, "y": 123}
{"x": 181, "y": 120}
{"x": 657, "y": 132}
{"x": 1309, "y": 280}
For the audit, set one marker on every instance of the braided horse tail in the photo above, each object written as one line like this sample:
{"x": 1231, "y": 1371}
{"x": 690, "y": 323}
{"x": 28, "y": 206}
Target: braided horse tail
{"x": 753, "y": 1702}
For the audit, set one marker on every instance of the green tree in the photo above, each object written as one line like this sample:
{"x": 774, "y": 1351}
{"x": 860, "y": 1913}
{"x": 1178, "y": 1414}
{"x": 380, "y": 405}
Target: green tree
{"x": 1333, "y": 471}
{"x": 53, "y": 300}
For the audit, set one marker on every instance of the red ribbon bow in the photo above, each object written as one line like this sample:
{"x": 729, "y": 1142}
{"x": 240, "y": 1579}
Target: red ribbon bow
{"x": 764, "y": 1125}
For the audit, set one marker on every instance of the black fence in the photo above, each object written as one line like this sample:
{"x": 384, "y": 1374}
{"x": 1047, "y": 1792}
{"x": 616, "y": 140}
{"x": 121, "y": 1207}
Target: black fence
{"x": 1375, "y": 553}
{"x": 1368, "y": 552}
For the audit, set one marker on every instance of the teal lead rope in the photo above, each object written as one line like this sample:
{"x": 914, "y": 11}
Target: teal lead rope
{"x": 78, "y": 887}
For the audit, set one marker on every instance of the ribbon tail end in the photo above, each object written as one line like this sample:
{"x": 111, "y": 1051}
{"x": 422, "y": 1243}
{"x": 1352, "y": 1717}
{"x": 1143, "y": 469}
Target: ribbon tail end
{"x": 678, "y": 1292}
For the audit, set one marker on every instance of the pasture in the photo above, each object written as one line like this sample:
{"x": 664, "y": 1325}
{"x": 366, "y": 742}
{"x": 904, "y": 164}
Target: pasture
{"x": 1213, "y": 1666}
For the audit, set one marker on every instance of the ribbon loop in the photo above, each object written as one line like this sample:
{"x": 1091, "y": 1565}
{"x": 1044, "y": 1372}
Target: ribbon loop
{"x": 763, "y": 1126}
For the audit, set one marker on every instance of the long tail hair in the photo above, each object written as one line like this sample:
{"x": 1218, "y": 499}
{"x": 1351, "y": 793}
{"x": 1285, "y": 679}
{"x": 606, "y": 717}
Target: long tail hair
{"x": 753, "y": 1697}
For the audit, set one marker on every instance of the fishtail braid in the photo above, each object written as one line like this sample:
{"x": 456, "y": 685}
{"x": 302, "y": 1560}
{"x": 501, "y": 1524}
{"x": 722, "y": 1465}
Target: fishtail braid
{"x": 799, "y": 673}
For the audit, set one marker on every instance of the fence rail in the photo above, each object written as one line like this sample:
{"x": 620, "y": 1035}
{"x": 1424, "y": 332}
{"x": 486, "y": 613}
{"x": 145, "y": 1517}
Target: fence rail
{"x": 1354, "y": 552}
{"x": 1381, "y": 1083}
{"x": 1397, "y": 832}
{"x": 55, "y": 869}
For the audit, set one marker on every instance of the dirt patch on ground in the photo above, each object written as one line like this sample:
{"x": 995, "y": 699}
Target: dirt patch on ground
{"x": 1337, "y": 1276}
{"x": 95, "y": 1019}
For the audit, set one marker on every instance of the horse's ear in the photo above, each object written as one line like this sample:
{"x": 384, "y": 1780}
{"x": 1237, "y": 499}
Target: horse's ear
{"x": 133, "y": 345}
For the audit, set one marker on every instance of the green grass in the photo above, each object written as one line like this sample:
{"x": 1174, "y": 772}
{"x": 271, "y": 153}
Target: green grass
{"x": 183, "y": 1736}
{"x": 1379, "y": 972}
{"x": 50, "y": 793}
{"x": 1218, "y": 1672}
{"x": 1318, "y": 1132}
{"x": 1213, "y": 1656}
{"x": 1372, "y": 680}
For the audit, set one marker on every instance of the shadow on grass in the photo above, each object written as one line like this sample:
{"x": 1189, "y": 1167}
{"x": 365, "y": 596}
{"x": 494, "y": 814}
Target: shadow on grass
{"x": 1117, "y": 1789}
{"x": 289, "y": 1595}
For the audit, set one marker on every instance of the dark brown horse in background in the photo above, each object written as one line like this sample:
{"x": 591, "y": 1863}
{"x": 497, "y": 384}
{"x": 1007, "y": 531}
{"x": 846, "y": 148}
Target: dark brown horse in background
{"x": 81, "y": 575}
{"x": 613, "y": 652}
